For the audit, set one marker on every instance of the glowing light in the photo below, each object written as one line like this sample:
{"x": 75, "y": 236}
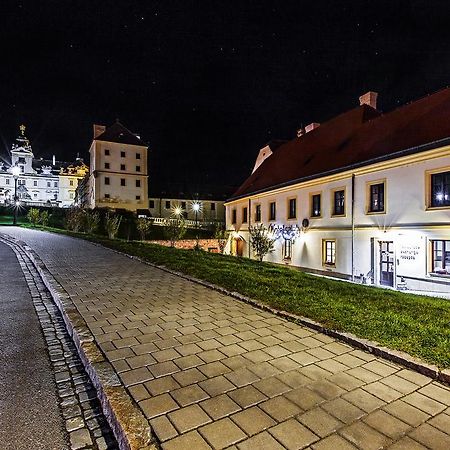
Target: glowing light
{"x": 18, "y": 203}
{"x": 196, "y": 206}
{"x": 177, "y": 211}
{"x": 15, "y": 171}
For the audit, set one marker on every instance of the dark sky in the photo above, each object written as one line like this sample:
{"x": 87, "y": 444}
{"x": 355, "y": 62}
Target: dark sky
{"x": 207, "y": 83}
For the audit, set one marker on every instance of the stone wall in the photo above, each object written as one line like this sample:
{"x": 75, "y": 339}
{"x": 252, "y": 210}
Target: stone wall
{"x": 210, "y": 245}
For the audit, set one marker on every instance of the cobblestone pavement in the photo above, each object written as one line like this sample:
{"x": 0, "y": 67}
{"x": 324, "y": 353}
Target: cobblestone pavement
{"x": 210, "y": 371}
{"x": 82, "y": 416}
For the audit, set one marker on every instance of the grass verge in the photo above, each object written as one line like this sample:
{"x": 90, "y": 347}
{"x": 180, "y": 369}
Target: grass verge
{"x": 414, "y": 324}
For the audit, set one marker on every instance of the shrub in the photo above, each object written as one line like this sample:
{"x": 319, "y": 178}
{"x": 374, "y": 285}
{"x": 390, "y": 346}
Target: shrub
{"x": 92, "y": 221}
{"x": 75, "y": 219}
{"x": 33, "y": 216}
{"x": 261, "y": 242}
{"x": 222, "y": 235}
{"x": 143, "y": 225}
{"x": 43, "y": 218}
{"x": 174, "y": 230}
{"x": 112, "y": 224}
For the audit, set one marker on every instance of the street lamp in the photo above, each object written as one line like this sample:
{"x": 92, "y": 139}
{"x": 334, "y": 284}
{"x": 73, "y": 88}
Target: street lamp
{"x": 15, "y": 172}
{"x": 196, "y": 208}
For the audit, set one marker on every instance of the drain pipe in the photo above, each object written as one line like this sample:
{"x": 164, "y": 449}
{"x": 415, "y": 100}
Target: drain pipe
{"x": 353, "y": 227}
{"x": 249, "y": 221}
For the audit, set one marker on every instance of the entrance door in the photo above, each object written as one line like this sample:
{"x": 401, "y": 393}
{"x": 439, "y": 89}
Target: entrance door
{"x": 387, "y": 263}
{"x": 239, "y": 247}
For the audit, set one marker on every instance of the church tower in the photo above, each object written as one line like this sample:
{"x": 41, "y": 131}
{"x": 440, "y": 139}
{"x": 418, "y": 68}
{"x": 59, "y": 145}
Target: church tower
{"x": 22, "y": 154}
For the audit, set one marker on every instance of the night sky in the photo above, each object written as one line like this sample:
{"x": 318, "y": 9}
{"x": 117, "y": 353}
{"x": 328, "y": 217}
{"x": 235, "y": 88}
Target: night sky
{"x": 208, "y": 83}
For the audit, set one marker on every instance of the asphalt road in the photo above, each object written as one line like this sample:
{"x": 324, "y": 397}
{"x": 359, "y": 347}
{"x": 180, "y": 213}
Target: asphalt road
{"x": 29, "y": 414}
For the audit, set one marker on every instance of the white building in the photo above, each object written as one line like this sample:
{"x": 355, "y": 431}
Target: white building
{"x": 41, "y": 182}
{"x": 365, "y": 195}
{"x": 118, "y": 170}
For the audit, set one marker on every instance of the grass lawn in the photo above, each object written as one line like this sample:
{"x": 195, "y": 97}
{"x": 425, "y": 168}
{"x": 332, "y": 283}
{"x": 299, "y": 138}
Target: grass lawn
{"x": 414, "y": 324}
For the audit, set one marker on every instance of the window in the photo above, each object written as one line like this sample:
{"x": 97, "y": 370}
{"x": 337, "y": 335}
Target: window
{"x": 151, "y": 202}
{"x": 138, "y": 156}
{"x": 34, "y": 183}
{"x": 339, "y": 202}
{"x": 292, "y": 210}
{"x": 55, "y": 184}
{"x": 138, "y": 183}
{"x": 287, "y": 249}
{"x": 48, "y": 184}
{"x": 233, "y": 216}
{"x": 183, "y": 205}
{"x": 122, "y": 182}
{"x": 21, "y": 160}
{"x": 7, "y": 181}
{"x": 106, "y": 195}
{"x": 329, "y": 252}
{"x": 22, "y": 169}
{"x": 122, "y": 154}
{"x": 35, "y": 195}
{"x": 440, "y": 189}
{"x": 71, "y": 182}
{"x": 376, "y": 197}
{"x": 167, "y": 204}
{"x": 272, "y": 211}
{"x": 213, "y": 206}
{"x": 440, "y": 257}
{"x": 122, "y": 167}
{"x": 316, "y": 205}
{"x": 244, "y": 215}
{"x": 138, "y": 197}
{"x": 22, "y": 182}
{"x": 71, "y": 195}
{"x": 258, "y": 213}
{"x": 106, "y": 165}
{"x": 106, "y": 154}
{"x": 138, "y": 168}
{"x": 107, "y": 180}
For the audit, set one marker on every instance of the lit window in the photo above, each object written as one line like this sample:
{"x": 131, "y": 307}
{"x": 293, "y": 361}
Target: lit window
{"x": 107, "y": 180}
{"x": 258, "y": 213}
{"x": 151, "y": 202}
{"x": 167, "y": 204}
{"x": 328, "y": 252}
{"x": 122, "y": 182}
{"x": 440, "y": 257}
{"x": 376, "y": 197}
{"x": 138, "y": 156}
{"x": 292, "y": 212}
{"x": 244, "y": 215}
{"x": 233, "y": 216}
{"x": 122, "y": 154}
{"x": 272, "y": 211}
{"x": 122, "y": 167}
{"x": 440, "y": 189}
{"x": 339, "y": 203}
{"x": 138, "y": 183}
{"x": 315, "y": 205}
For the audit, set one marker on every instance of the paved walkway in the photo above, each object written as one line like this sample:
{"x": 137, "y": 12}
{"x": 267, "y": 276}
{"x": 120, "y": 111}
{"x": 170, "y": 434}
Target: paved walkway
{"x": 210, "y": 371}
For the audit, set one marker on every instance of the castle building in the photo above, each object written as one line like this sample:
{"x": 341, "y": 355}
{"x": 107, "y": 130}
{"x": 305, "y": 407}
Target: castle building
{"x": 118, "y": 170}
{"x": 40, "y": 182}
{"x": 364, "y": 196}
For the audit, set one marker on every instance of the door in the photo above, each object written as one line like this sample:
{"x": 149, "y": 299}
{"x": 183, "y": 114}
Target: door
{"x": 387, "y": 263}
{"x": 239, "y": 247}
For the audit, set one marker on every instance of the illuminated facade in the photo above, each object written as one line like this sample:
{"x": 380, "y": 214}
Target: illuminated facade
{"x": 365, "y": 196}
{"x": 40, "y": 182}
{"x": 118, "y": 175}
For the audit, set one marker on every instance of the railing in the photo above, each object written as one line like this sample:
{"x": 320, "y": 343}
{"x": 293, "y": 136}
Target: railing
{"x": 161, "y": 221}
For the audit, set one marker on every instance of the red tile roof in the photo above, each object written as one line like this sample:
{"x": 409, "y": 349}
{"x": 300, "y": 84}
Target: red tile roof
{"x": 120, "y": 134}
{"x": 353, "y": 139}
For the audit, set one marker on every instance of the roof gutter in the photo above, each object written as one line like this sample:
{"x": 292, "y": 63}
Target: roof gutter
{"x": 406, "y": 152}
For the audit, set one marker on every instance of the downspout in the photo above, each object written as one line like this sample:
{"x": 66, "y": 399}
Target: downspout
{"x": 249, "y": 220}
{"x": 353, "y": 227}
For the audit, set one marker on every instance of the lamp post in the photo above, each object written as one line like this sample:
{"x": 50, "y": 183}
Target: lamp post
{"x": 15, "y": 171}
{"x": 196, "y": 208}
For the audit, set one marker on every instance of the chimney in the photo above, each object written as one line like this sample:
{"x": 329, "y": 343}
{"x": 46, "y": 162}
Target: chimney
{"x": 312, "y": 126}
{"x": 54, "y": 160}
{"x": 369, "y": 98}
{"x": 300, "y": 132}
{"x": 98, "y": 130}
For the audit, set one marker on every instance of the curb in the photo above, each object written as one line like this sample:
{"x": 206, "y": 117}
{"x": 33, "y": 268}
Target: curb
{"x": 130, "y": 427}
{"x": 395, "y": 356}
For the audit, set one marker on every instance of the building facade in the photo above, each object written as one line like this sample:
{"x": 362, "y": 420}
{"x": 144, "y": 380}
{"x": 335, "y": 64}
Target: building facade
{"x": 118, "y": 170}
{"x": 365, "y": 196}
{"x": 40, "y": 182}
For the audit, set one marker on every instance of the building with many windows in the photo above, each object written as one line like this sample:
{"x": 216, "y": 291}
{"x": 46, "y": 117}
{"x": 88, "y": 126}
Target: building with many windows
{"x": 364, "y": 196}
{"x": 118, "y": 170}
{"x": 41, "y": 182}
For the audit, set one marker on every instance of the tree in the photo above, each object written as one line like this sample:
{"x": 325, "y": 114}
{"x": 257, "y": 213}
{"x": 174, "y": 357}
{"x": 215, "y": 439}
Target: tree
{"x": 92, "y": 221}
{"x": 112, "y": 224}
{"x": 221, "y": 234}
{"x": 143, "y": 225}
{"x": 174, "y": 230}
{"x": 33, "y": 216}
{"x": 43, "y": 218}
{"x": 262, "y": 244}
